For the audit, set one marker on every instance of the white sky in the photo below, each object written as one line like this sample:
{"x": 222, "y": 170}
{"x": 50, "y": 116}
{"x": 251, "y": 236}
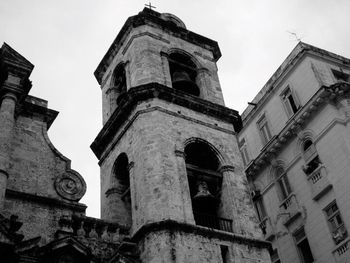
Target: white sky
{"x": 66, "y": 40}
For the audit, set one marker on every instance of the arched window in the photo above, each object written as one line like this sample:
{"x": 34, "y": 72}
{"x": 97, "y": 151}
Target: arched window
{"x": 284, "y": 188}
{"x": 183, "y": 73}
{"x": 121, "y": 183}
{"x": 312, "y": 161}
{"x": 119, "y": 83}
{"x": 205, "y": 183}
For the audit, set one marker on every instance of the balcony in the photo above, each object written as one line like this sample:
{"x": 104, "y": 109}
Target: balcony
{"x": 213, "y": 222}
{"x": 289, "y": 209}
{"x": 267, "y": 228}
{"x": 341, "y": 251}
{"x": 319, "y": 182}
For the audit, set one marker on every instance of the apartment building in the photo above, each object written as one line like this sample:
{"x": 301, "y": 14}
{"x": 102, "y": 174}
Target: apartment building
{"x": 295, "y": 143}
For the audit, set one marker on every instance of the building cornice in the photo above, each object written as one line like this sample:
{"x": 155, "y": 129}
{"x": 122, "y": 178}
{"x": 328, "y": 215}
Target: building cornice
{"x": 298, "y": 53}
{"x": 154, "y": 19}
{"x": 294, "y": 124}
{"x": 155, "y": 90}
{"x": 171, "y": 225}
{"x": 49, "y": 201}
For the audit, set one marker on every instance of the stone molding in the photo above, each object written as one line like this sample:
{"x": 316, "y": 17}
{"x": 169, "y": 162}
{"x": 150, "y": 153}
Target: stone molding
{"x": 153, "y": 19}
{"x": 156, "y": 90}
{"x": 226, "y": 168}
{"x": 171, "y": 225}
{"x": 53, "y": 202}
{"x": 294, "y": 126}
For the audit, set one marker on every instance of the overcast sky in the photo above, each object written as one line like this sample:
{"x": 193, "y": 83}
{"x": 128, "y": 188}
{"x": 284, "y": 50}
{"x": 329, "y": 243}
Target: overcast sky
{"x": 66, "y": 40}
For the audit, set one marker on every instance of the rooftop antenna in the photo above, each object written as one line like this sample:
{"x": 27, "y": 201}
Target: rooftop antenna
{"x": 297, "y": 38}
{"x": 150, "y": 6}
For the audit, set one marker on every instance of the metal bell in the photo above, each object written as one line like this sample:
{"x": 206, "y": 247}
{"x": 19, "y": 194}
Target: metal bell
{"x": 183, "y": 82}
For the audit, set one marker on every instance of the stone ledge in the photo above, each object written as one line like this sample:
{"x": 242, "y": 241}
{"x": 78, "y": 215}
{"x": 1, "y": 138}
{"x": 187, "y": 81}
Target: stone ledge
{"x": 154, "y": 19}
{"x": 45, "y": 200}
{"x": 198, "y": 230}
{"x": 155, "y": 90}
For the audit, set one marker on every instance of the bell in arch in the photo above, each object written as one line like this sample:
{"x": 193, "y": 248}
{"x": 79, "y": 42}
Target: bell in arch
{"x": 183, "y": 82}
{"x": 203, "y": 200}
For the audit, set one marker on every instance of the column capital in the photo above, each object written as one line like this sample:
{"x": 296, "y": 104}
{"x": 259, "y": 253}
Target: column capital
{"x": 180, "y": 153}
{"x": 226, "y": 168}
{"x": 10, "y": 95}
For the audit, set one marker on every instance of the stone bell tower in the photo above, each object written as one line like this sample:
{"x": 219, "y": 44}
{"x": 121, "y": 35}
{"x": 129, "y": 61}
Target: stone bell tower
{"x": 170, "y": 164}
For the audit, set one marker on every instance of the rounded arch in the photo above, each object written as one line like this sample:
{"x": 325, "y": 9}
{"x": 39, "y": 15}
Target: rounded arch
{"x": 306, "y": 135}
{"x": 171, "y": 51}
{"x": 218, "y": 155}
{"x": 174, "y": 19}
{"x": 120, "y": 171}
{"x": 277, "y": 165}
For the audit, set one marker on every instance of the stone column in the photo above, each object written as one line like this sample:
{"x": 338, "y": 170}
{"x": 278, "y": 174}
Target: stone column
{"x": 166, "y": 70}
{"x": 228, "y": 201}
{"x": 185, "y": 189}
{"x": 204, "y": 83}
{"x": 7, "y": 121}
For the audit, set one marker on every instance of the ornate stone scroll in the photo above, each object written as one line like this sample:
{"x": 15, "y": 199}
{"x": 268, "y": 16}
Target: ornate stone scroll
{"x": 70, "y": 186}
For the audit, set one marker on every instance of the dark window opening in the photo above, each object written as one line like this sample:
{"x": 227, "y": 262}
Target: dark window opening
{"x": 335, "y": 222}
{"x": 312, "y": 160}
{"x": 119, "y": 83}
{"x": 205, "y": 186}
{"x": 290, "y": 102}
{"x": 183, "y": 73}
{"x": 224, "y": 254}
{"x": 340, "y": 75}
{"x": 283, "y": 183}
{"x": 303, "y": 246}
{"x": 119, "y": 195}
{"x": 274, "y": 256}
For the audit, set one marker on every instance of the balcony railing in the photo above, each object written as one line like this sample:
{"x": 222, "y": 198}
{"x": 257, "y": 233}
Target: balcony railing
{"x": 289, "y": 208}
{"x": 213, "y": 222}
{"x": 319, "y": 182}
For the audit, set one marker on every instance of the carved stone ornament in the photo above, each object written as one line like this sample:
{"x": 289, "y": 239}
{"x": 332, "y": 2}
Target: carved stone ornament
{"x": 70, "y": 186}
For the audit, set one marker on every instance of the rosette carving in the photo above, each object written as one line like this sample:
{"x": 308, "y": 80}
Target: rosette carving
{"x": 70, "y": 186}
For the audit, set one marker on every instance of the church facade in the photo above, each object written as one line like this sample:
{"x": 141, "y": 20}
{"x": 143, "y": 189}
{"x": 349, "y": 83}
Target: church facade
{"x": 173, "y": 187}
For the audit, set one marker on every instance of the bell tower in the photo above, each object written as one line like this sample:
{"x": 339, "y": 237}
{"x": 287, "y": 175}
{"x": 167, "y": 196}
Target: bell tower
{"x": 170, "y": 164}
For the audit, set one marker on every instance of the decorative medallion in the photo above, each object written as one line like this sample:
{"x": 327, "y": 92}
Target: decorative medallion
{"x": 70, "y": 186}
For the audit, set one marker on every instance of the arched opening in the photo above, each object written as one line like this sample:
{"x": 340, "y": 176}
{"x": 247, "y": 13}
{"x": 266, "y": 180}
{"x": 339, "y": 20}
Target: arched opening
{"x": 311, "y": 158}
{"x": 119, "y": 83}
{"x": 205, "y": 183}
{"x": 122, "y": 199}
{"x": 183, "y": 73}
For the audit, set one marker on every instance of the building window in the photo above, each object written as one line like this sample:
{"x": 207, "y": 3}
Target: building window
{"x": 260, "y": 208}
{"x": 183, "y": 73}
{"x": 303, "y": 246}
{"x": 264, "y": 129}
{"x": 274, "y": 257}
{"x": 312, "y": 161}
{"x": 244, "y": 151}
{"x": 340, "y": 75}
{"x": 224, "y": 254}
{"x": 335, "y": 222}
{"x": 290, "y": 101}
{"x": 283, "y": 183}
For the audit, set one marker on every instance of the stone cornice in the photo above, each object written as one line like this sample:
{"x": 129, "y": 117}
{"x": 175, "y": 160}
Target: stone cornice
{"x": 78, "y": 207}
{"x": 170, "y": 225}
{"x": 155, "y": 90}
{"x": 295, "y": 123}
{"x": 288, "y": 64}
{"x": 154, "y": 19}
{"x": 33, "y": 106}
